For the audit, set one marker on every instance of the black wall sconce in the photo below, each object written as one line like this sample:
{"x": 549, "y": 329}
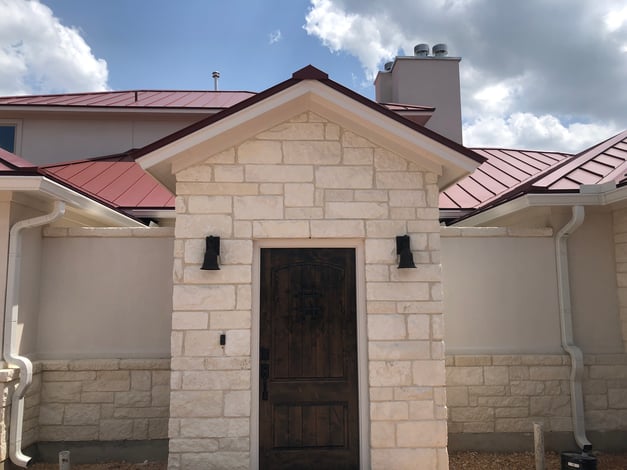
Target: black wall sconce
{"x": 212, "y": 251}
{"x": 403, "y": 250}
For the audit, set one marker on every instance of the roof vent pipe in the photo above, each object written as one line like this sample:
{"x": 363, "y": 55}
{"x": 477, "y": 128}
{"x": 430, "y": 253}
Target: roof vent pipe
{"x": 388, "y": 66}
{"x": 216, "y": 76}
{"x": 440, "y": 50}
{"x": 421, "y": 50}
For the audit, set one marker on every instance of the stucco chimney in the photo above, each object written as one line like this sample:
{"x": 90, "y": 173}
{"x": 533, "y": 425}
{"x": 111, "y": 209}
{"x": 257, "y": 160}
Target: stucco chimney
{"x": 426, "y": 80}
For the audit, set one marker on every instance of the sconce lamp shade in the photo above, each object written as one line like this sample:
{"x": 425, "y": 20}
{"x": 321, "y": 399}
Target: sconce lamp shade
{"x": 403, "y": 249}
{"x": 212, "y": 251}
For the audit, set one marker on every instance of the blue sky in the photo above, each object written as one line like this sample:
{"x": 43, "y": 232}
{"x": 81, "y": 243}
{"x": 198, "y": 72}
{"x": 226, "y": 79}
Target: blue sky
{"x": 159, "y": 44}
{"x": 535, "y": 74}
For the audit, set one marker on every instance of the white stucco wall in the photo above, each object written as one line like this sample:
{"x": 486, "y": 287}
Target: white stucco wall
{"x": 105, "y": 297}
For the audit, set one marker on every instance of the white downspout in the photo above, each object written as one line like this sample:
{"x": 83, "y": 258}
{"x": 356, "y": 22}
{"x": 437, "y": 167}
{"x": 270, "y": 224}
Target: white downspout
{"x": 11, "y": 308}
{"x": 566, "y": 324}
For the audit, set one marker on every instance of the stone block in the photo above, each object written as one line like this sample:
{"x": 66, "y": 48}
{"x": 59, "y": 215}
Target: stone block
{"x": 356, "y": 210}
{"x": 421, "y": 434}
{"x": 390, "y": 373}
{"x": 422, "y": 410}
{"x": 133, "y": 398}
{"x": 457, "y": 396}
{"x": 195, "y": 173}
{"x": 398, "y": 180}
{"x": 115, "y": 429}
{"x": 382, "y": 434}
{"x": 210, "y": 204}
{"x": 216, "y": 380}
{"x": 281, "y": 229}
{"x": 496, "y": 375}
{"x": 257, "y": 207}
{"x": 237, "y": 403}
{"x": 81, "y": 414}
{"x": 109, "y": 381}
{"x": 160, "y": 395}
{"x": 61, "y": 392}
{"x": 294, "y": 131}
{"x": 549, "y": 406}
{"x": 219, "y": 297}
{"x": 244, "y": 300}
{"x": 405, "y": 459}
{"x": 407, "y": 198}
{"x": 350, "y": 139}
{"x": 412, "y": 393}
{"x": 358, "y": 156}
{"x": 472, "y": 413}
{"x": 432, "y": 308}
{"x": 549, "y": 372}
{"x": 617, "y": 398}
{"x": 199, "y": 225}
{"x": 398, "y": 350}
{"x": 478, "y": 426}
{"x": 385, "y": 228}
{"x": 68, "y": 433}
{"x": 237, "y": 343}
{"x": 464, "y": 376}
{"x": 337, "y": 229}
{"x": 388, "y": 161}
{"x": 228, "y": 173}
{"x": 304, "y": 213}
{"x": 299, "y": 195}
{"x": 371, "y": 195}
{"x": 427, "y": 373}
{"x": 215, "y": 427}
{"x": 227, "y": 274}
{"x": 344, "y": 177}
{"x": 272, "y": 189}
{"x": 386, "y": 327}
{"x": 389, "y": 411}
{"x": 190, "y": 320}
{"x": 259, "y": 151}
{"x": 423, "y": 272}
{"x": 286, "y": 174}
{"x": 203, "y": 343}
{"x": 377, "y": 273}
{"x": 339, "y": 195}
{"x": 194, "y": 445}
{"x": 217, "y": 189}
{"x": 397, "y": 291}
{"x": 51, "y": 414}
{"x": 331, "y": 132}
{"x": 196, "y": 404}
{"x": 229, "y": 320}
{"x": 381, "y": 394}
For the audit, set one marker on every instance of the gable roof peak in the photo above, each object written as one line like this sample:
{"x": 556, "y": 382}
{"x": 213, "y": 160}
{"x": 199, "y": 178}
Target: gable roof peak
{"x": 310, "y": 73}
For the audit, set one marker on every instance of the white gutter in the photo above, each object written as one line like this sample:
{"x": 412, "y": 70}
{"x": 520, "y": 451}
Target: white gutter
{"x": 583, "y": 198}
{"x": 566, "y": 325}
{"x": 11, "y": 309}
{"x": 54, "y": 190}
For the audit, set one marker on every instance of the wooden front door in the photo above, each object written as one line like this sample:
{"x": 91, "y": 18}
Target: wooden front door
{"x": 308, "y": 412}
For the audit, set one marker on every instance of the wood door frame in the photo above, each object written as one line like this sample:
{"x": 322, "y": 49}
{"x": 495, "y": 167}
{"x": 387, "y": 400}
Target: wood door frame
{"x": 362, "y": 337}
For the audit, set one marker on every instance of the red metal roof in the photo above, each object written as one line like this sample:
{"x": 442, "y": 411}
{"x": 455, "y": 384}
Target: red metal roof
{"x": 135, "y": 99}
{"x": 603, "y": 163}
{"x": 116, "y": 180}
{"x": 11, "y": 163}
{"x": 503, "y": 170}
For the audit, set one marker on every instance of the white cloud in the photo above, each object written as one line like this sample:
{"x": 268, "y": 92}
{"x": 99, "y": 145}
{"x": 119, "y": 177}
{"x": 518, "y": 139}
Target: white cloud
{"x": 531, "y": 79}
{"x": 525, "y": 130}
{"x": 274, "y": 37}
{"x": 40, "y": 55}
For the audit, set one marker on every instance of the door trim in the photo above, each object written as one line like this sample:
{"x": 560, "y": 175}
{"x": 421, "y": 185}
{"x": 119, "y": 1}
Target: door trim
{"x": 362, "y": 338}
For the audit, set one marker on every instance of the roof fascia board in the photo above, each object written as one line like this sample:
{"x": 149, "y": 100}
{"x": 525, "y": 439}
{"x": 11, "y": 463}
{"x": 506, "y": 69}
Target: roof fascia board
{"x": 58, "y": 109}
{"x": 55, "y": 190}
{"x": 544, "y": 200}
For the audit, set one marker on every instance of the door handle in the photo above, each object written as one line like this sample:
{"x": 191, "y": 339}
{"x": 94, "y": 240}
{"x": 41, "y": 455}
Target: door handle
{"x": 264, "y": 371}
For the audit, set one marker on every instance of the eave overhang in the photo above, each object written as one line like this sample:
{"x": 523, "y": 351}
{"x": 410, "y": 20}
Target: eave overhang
{"x": 41, "y": 187}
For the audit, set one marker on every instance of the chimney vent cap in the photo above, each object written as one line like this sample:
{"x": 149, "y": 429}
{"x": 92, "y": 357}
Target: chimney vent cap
{"x": 388, "y": 66}
{"x": 440, "y": 50}
{"x": 421, "y": 50}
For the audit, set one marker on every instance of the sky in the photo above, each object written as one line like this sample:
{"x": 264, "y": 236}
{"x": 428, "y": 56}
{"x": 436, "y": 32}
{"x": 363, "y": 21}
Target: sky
{"x": 535, "y": 74}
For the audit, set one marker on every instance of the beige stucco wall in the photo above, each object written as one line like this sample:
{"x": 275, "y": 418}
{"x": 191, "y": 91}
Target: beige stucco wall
{"x": 105, "y": 293}
{"x": 500, "y": 290}
{"x": 307, "y": 179}
{"x": 79, "y": 138}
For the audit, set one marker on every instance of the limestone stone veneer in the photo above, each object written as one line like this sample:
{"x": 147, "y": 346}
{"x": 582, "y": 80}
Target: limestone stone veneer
{"x": 313, "y": 181}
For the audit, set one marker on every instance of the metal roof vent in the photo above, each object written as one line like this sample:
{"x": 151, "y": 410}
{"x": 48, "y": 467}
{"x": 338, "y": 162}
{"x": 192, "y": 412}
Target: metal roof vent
{"x": 440, "y": 50}
{"x": 216, "y": 77}
{"x": 388, "y": 66}
{"x": 421, "y": 50}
